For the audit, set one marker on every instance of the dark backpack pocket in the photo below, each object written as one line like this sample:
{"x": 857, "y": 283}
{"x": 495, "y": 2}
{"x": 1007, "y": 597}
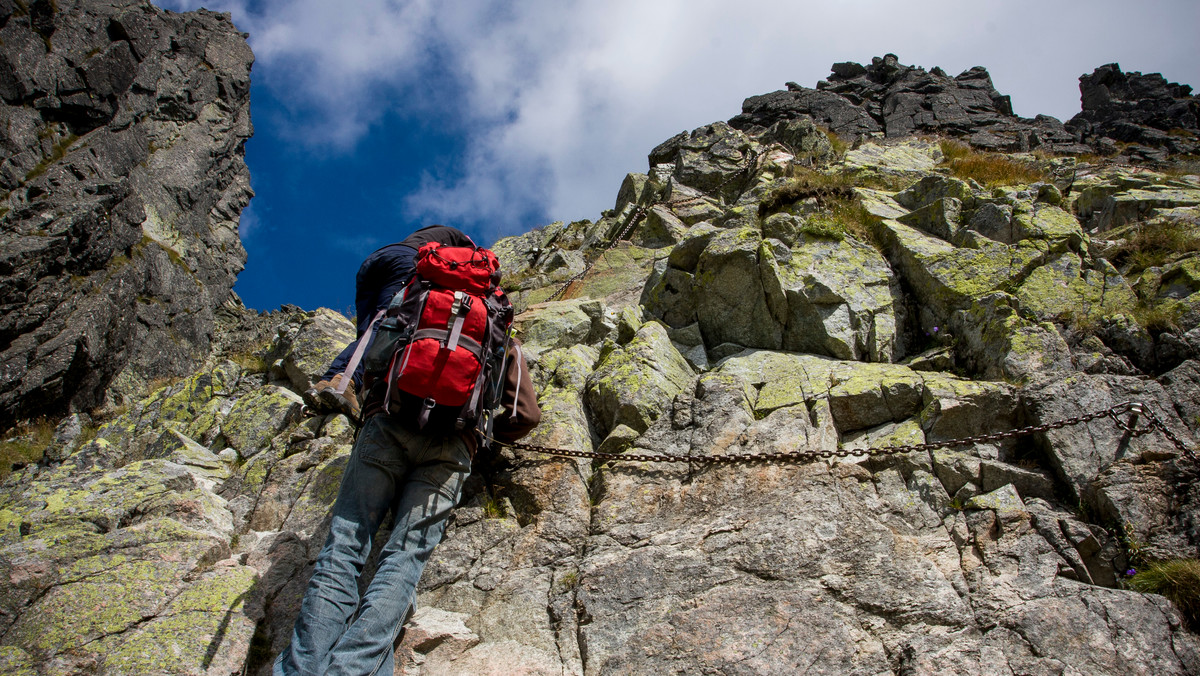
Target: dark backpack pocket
{"x": 391, "y": 332}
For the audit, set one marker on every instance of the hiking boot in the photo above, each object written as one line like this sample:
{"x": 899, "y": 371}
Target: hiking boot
{"x": 324, "y": 397}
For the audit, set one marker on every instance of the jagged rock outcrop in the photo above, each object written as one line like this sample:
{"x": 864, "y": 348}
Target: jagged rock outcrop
{"x": 887, "y": 98}
{"x": 121, "y": 183}
{"x": 772, "y": 295}
{"x": 1137, "y": 109}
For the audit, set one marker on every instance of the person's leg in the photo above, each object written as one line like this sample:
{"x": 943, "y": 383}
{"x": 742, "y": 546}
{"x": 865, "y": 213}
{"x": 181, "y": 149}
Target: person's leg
{"x": 367, "y": 492}
{"x": 438, "y": 468}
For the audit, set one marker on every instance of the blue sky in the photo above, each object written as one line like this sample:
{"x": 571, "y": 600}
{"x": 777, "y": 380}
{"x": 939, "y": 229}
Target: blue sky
{"x": 373, "y": 117}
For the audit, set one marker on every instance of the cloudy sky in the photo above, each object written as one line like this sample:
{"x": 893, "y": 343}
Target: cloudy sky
{"x": 374, "y": 117}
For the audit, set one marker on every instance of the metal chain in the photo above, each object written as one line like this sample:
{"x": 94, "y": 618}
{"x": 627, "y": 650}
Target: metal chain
{"x": 640, "y": 211}
{"x": 1136, "y": 409}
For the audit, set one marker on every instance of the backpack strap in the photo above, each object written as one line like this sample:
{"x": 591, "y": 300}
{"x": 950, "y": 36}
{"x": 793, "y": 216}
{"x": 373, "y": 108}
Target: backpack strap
{"x": 363, "y": 341}
{"x": 410, "y": 307}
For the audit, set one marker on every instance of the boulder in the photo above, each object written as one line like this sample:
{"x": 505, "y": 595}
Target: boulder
{"x": 840, "y": 300}
{"x": 634, "y": 384}
{"x": 1081, "y": 453}
{"x": 306, "y": 345}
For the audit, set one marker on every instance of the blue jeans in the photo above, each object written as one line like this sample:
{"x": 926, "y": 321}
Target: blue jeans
{"x": 420, "y": 479}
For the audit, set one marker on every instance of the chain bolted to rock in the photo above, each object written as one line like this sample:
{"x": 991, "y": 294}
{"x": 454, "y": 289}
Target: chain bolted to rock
{"x": 639, "y": 212}
{"x": 1136, "y": 411}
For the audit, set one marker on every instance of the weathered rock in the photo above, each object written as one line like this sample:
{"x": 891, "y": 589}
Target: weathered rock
{"x": 731, "y": 302}
{"x": 305, "y": 345}
{"x": 889, "y": 98}
{"x": 1136, "y": 108}
{"x": 839, "y": 297}
{"x": 180, "y": 539}
{"x": 255, "y": 419}
{"x": 1078, "y": 457}
{"x": 997, "y": 342}
{"x": 708, "y": 159}
{"x": 1126, "y": 197}
{"x": 561, "y": 324}
{"x": 111, "y": 570}
{"x": 633, "y": 385}
{"x": 120, "y": 241}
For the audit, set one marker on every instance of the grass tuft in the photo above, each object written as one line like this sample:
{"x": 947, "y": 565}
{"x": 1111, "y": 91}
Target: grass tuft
{"x": 806, "y": 183}
{"x": 26, "y": 445}
{"x": 493, "y": 508}
{"x": 990, "y": 169}
{"x": 1178, "y": 580}
{"x": 1153, "y": 244}
{"x": 839, "y": 146}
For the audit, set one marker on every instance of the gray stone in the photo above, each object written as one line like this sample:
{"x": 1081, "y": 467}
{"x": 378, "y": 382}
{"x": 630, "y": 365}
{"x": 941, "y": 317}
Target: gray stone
{"x": 1003, "y": 499}
{"x": 96, "y": 223}
{"x": 634, "y": 384}
{"x": 1028, "y": 483}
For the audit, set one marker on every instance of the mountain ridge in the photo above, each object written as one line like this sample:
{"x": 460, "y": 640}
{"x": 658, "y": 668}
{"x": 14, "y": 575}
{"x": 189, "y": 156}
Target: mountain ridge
{"x": 780, "y": 288}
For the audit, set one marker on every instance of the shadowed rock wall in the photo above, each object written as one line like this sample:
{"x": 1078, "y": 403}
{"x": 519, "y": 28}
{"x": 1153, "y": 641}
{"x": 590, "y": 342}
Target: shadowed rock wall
{"x": 121, "y": 183}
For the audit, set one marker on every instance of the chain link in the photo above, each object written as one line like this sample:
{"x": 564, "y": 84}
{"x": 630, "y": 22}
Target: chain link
{"x": 640, "y": 211}
{"x": 1135, "y": 409}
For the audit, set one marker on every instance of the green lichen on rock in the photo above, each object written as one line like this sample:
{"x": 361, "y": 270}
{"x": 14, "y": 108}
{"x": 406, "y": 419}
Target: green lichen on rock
{"x": 868, "y": 395}
{"x": 17, "y": 662}
{"x": 909, "y": 158}
{"x": 616, "y": 276}
{"x": 304, "y": 350}
{"x": 783, "y": 379}
{"x": 257, "y": 417}
{"x": 839, "y": 300}
{"x": 1064, "y": 287}
{"x": 104, "y": 595}
{"x": 212, "y": 607}
{"x": 636, "y": 383}
{"x": 945, "y": 277}
{"x": 731, "y": 300}
{"x": 1050, "y": 223}
{"x": 559, "y": 324}
{"x": 996, "y": 342}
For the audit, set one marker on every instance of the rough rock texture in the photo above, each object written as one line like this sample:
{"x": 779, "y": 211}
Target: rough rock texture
{"x": 1137, "y": 109}
{"x": 890, "y": 99}
{"x": 748, "y": 312}
{"x": 121, "y": 184}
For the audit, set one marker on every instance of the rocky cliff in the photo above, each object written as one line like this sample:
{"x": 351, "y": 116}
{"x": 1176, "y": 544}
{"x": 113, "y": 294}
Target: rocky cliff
{"x": 775, "y": 289}
{"x": 121, "y": 184}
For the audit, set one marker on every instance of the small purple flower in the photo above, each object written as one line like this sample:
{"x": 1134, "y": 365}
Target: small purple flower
{"x": 935, "y": 329}
{"x": 1131, "y": 572}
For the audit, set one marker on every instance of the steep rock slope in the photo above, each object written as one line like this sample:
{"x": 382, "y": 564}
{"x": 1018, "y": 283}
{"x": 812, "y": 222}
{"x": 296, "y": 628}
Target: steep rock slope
{"x": 121, "y": 183}
{"x": 773, "y": 292}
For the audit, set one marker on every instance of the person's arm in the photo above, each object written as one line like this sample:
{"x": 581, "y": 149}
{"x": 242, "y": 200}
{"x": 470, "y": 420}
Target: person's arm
{"x": 520, "y": 412}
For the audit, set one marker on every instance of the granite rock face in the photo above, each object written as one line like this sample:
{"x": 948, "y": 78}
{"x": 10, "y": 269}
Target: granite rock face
{"x": 121, "y": 183}
{"x": 774, "y": 294}
{"x": 1122, "y": 113}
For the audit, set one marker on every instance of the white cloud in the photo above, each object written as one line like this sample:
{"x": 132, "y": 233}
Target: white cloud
{"x": 560, "y": 100}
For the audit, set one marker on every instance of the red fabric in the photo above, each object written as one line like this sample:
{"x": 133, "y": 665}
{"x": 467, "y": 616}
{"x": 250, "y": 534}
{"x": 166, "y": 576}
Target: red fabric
{"x": 448, "y": 377}
{"x": 458, "y": 267}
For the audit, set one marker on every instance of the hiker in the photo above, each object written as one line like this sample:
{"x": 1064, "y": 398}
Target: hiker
{"x": 411, "y": 457}
{"x": 380, "y": 276}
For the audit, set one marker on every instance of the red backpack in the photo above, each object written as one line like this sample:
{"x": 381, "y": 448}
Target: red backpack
{"x": 442, "y": 343}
